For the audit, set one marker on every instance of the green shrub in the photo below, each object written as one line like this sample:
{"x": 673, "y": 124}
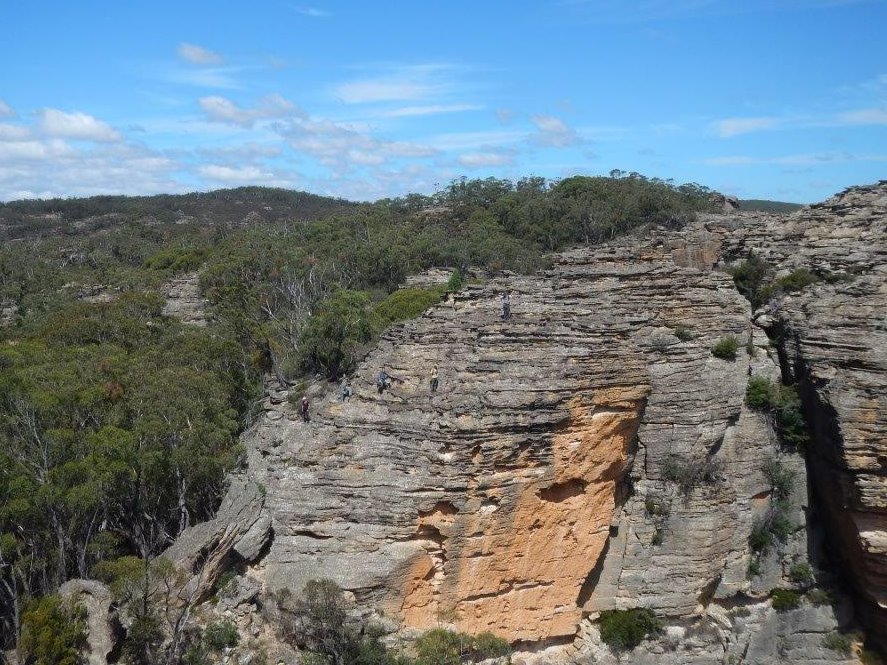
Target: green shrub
{"x": 754, "y": 568}
{"x": 407, "y": 304}
{"x": 819, "y": 596}
{"x": 172, "y": 261}
{"x": 54, "y": 632}
{"x": 333, "y": 335}
{"x": 656, "y": 506}
{"x": 486, "y": 645}
{"x": 840, "y": 642}
{"x": 455, "y": 282}
{"x": 785, "y": 406}
{"x": 785, "y": 599}
{"x": 780, "y": 478}
{"x": 774, "y": 527}
{"x": 221, "y": 635}
{"x": 689, "y": 472}
{"x": 795, "y": 281}
{"x": 439, "y": 647}
{"x": 623, "y": 630}
{"x": 726, "y": 348}
{"x": 750, "y": 277}
{"x": 683, "y": 333}
{"x": 801, "y": 573}
{"x": 658, "y": 537}
{"x": 760, "y": 393}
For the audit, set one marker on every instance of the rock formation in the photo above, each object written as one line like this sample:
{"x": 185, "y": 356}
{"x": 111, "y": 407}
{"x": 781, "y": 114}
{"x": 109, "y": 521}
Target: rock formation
{"x": 542, "y": 482}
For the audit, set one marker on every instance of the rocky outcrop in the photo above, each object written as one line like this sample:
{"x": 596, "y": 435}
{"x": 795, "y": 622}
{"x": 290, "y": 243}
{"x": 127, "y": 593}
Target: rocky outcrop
{"x": 546, "y": 480}
{"x": 834, "y": 344}
{"x": 183, "y": 299}
{"x": 102, "y": 628}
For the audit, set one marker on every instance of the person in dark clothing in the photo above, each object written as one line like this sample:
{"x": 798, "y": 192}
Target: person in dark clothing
{"x": 434, "y": 380}
{"x": 383, "y": 381}
{"x": 345, "y": 391}
{"x": 506, "y": 306}
{"x": 304, "y": 409}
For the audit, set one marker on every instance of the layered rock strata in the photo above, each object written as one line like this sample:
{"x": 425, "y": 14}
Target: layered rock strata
{"x": 542, "y": 483}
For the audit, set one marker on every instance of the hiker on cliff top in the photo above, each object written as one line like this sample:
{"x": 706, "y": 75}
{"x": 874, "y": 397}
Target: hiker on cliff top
{"x": 506, "y": 306}
{"x": 304, "y": 409}
{"x": 434, "y": 381}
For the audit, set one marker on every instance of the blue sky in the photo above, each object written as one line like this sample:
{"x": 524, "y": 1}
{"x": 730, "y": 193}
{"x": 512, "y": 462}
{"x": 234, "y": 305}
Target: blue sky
{"x": 780, "y": 99}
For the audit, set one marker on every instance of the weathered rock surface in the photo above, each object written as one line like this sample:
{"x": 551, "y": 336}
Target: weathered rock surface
{"x": 532, "y": 490}
{"x": 95, "y": 598}
{"x": 183, "y": 299}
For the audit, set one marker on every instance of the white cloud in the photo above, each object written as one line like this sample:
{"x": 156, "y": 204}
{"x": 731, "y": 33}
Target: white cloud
{"x": 76, "y": 126}
{"x": 6, "y": 110}
{"x": 807, "y": 159}
{"x": 313, "y": 12}
{"x": 553, "y": 132}
{"x": 32, "y": 151}
{"x": 489, "y": 158}
{"x": 458, "y": 141}
{"x": 430, "y": 109}
{"x": 504, "y": 116}
{"x": 247, "y": 175}
{"x": 409, "y": 83}
{"x": 340, "y": 146}
{"x": 54, "y": 167}
{"x": 13, "y": 132}
{"x": 736, "y": 126}
{"x": 380, "y": 90}
{"x": 220, "y": 109}
{"x": 873, "y": 116}
{"x": 197, "y": 55}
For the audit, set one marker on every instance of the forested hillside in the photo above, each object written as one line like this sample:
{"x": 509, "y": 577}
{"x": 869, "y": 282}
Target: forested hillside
{"x": 118, "y": 423}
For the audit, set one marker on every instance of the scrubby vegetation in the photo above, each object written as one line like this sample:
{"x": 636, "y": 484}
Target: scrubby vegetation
{"x": 785, "y": 599}
{"x": 623, "y": 630}
{"x": 726, "y": 348}
{"x": 319, "y": 624}
{"x": 119, "y": 424}
{"x": 783, "y": 405}
{"x": 690, "y": 472}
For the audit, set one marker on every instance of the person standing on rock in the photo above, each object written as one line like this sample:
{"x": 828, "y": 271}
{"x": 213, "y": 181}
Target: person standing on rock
{"x": 304, "y": 409}
{"x": 434, "y": 380}
{"x": 345, "y": 390}
{"x": 382, "y": 382}
{"x": 506, "y": 306}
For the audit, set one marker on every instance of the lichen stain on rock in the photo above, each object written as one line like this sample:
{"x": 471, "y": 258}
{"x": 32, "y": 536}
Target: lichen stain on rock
{"x": 517, "y": 570}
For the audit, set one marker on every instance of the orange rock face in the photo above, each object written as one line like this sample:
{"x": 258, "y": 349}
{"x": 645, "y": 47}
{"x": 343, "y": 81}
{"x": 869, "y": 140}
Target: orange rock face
{"x": 515, "y": 564}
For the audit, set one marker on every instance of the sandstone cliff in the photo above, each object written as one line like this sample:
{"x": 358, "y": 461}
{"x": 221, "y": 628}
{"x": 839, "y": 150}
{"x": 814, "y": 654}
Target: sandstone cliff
{"x": 540, "y": 484}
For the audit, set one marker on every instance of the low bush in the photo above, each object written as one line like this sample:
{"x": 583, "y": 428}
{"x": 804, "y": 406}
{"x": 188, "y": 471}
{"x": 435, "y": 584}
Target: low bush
{"x": 683, "y": 333}
{"x": 783, "y": 403}
{"x": 750, "y": 277}
{"x": 656, "y": 506}
{"x": 455, "y": 282}
{"x": 689, "y": 472}
{"x": 407, "y": 304}
{"x": 54, "y": 632}
{"x": 785, "y": 599}
{"x": 774, "y": 527}
{"x": 801, "y": 573}
{"x": 819, "y": 596}
{"x": 623, "y": 630}
{"x": 780, "y": 478}
{"x": 726, "y": 348}
{"x": 840, "y": 642}
{"x": 221, "y": 635}
{"x": 445, "y": 647}
{"x": 439, "y": 647}
{"x": 760, "y": 393}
